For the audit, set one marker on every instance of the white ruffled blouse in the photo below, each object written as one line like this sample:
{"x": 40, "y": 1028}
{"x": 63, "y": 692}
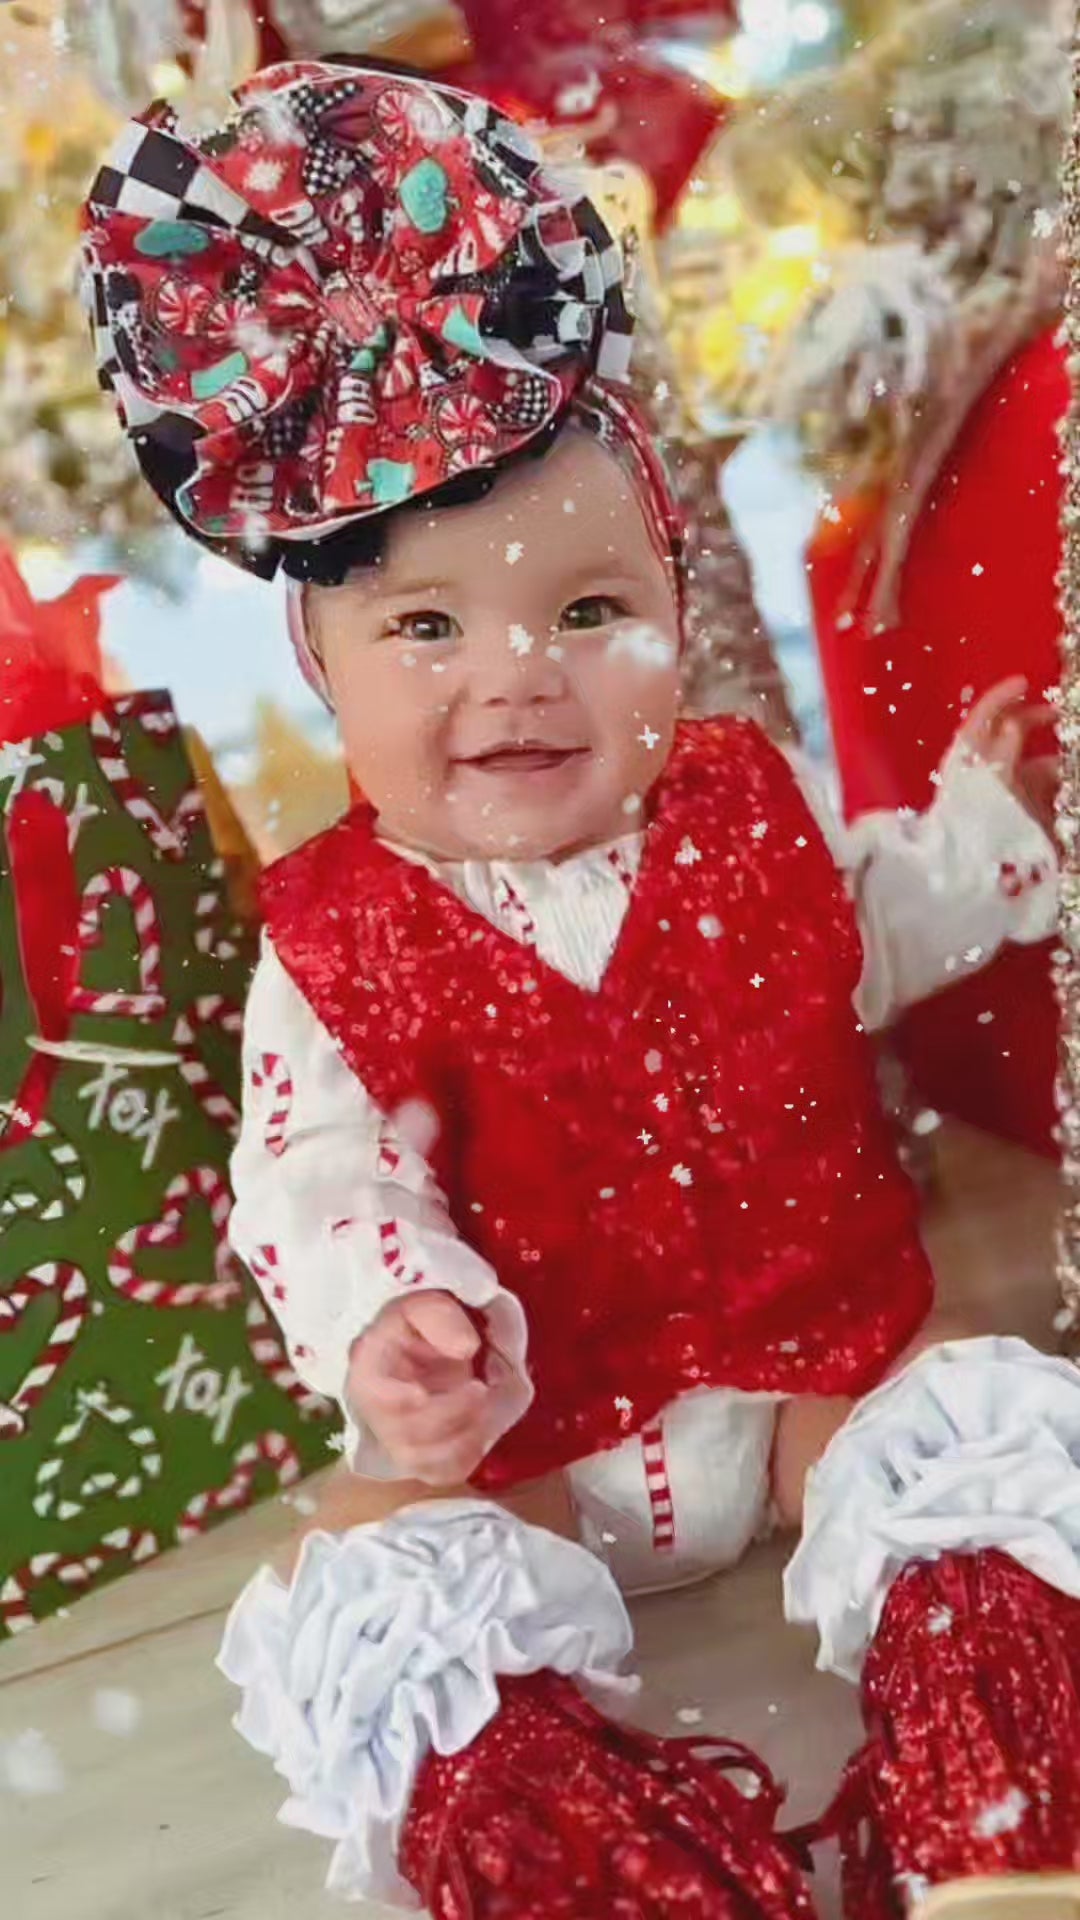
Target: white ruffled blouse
{"x": 332, "y": 1226}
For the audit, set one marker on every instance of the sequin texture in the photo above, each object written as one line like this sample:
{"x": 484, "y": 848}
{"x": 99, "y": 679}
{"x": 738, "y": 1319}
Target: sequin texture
{"x": 699, "y": 1272}
{"x": 972, "y": 1767}
{"x": 554, "y": 1813}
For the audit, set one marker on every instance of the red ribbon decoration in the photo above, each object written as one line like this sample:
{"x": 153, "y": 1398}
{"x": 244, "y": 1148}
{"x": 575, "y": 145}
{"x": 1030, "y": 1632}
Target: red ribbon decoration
{"x": 51, "y": 675}
{"x": 51, "y": 669}
{"x": 47, "y": 912}
{"x": 560, "y": 64}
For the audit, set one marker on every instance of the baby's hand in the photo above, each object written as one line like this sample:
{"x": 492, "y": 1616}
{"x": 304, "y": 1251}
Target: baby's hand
{"x": 996, "y": 732}
{"x": 411, "y": 1382}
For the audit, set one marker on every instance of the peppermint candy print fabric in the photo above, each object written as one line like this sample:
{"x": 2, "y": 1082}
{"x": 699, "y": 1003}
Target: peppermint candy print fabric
{"x": 358, "y": 287}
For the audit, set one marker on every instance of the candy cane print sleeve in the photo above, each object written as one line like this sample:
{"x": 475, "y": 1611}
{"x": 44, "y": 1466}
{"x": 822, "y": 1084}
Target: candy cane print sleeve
{"x": 938, "y": 893}
{"x": 337, "y": 1212}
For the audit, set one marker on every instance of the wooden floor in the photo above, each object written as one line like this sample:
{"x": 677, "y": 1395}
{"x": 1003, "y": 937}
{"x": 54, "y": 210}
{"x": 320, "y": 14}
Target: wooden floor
{"x": 175, "y": 1821}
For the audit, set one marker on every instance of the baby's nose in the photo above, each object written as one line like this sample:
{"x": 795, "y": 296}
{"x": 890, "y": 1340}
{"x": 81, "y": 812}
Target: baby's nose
{"x": 516, "y": 665}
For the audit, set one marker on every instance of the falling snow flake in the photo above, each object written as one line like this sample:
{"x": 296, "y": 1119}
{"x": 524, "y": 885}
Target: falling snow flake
{"x": 1002, "y": 1816}
{"x": 30, "y": 1765}
{"x": 759, "y": 829}
{"x": 116, "y": 1711}
{"x": 521, "y": 641}
{"x": 709, "y": 927}
{"x": 688, "y": 855}
{"x": 1043, "y": 222}
{"x": 17, "y": 762}
{"x": 642, "y": 643}
{"x": 690, "y": 1716}
{"x": 757, "y": 979}
{"x": 514, "y": 551}
{"x": 682, "y": 1176}
{"x": 648, "y": 738}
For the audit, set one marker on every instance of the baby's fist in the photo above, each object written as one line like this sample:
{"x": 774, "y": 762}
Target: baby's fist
{"x": 412, "y": 1383}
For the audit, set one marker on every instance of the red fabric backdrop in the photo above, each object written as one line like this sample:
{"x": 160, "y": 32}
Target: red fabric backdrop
{"x": 995, "y": 506}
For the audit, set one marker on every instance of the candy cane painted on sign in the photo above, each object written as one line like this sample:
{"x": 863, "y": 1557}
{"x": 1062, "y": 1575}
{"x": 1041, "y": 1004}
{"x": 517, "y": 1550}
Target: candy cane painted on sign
{"x": 125, "y": 884}
{"x": 268, "y": 1352}
{"x": 72, "y": 1571}
{"x": 203, "y": 1184}
{"x": 271, "y": 1450}
{"x": 25, "y": 1197}
{"x": 274, "y": 1074}
{"x": 210, "y": 1013}
{"x": 95, "y": 1402}
{"x": 211, "y": 909}
{"x": 169, "y": 837}
{"x": 66, "y": 1283}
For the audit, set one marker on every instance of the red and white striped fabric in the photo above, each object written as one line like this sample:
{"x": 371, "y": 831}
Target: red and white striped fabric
{"x": 661, "y": 1503}
{"x": 392, "y": 1249}
{"x": 514, "y": 912}
{"x": 273, "y": 1072}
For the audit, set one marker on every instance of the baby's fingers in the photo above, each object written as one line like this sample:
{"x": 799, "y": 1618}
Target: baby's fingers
{"x": 990, "y": 707}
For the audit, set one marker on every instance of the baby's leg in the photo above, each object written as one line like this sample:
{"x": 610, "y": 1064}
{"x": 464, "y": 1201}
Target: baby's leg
{"x": 806, "y": 1425}
{"x": 415, "y": 1678}
{"x": 345, "y": 1500}
{"x": 940, "y": 1562}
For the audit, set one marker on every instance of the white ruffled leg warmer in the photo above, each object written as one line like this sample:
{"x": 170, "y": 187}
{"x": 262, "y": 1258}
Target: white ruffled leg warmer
{"x": 975, "y": 1446}
{"x": 387, "y": 1644}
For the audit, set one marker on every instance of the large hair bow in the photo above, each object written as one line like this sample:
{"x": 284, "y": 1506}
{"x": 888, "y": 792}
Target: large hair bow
{"x": 361, "y": 285}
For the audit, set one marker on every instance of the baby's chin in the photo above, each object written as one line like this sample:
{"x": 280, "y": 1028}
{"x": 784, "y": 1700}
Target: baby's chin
{"x": 513, "y": 838}
{"x": 505, "y": 820}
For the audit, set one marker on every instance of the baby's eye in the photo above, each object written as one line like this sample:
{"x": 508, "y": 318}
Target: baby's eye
{"x": 425, "y": 625}
{"x": 593, "y": 610}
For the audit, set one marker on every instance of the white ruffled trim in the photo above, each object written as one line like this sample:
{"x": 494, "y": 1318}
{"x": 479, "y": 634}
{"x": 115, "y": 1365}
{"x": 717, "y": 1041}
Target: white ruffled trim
{"x": 977, "y": 1445}
{"x": 387, "y": 1644}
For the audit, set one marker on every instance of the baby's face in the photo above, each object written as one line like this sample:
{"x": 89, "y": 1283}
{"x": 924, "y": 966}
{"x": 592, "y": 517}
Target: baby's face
{"x": 506, "y": 680}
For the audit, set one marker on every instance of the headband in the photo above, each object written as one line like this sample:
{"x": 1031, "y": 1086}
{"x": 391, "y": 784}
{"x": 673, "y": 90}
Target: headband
{"x": 360, "y": 286}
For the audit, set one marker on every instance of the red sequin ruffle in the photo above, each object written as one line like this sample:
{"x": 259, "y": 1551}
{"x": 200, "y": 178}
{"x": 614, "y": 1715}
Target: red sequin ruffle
{"x": 555, "y": 1813}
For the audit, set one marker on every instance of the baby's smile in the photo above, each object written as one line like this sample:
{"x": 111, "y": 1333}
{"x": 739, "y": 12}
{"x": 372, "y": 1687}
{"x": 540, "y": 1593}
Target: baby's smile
{"x": 516, "y": 749}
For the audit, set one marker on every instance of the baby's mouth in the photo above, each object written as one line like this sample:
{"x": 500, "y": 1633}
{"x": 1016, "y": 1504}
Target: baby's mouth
{"x": 522, "y": 756}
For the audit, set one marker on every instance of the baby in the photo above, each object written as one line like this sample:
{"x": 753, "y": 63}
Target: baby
{"x": 562, "y": 1166}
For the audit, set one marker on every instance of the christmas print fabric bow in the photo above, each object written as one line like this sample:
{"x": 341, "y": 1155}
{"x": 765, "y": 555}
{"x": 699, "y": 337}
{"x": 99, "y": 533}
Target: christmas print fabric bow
{"x": 360, "y": 286}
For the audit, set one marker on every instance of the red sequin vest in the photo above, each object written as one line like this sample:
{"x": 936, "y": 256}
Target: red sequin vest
{"x": 685, "y": 1176}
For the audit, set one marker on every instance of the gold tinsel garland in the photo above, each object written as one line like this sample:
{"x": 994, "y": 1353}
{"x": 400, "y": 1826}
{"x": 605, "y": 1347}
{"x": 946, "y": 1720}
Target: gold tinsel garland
{"x": 1068, "y": 820}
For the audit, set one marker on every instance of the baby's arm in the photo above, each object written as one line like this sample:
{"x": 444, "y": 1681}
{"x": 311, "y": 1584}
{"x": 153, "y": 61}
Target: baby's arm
{"x": 343, "y": 1226}
{"x": 939, "y": 893}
